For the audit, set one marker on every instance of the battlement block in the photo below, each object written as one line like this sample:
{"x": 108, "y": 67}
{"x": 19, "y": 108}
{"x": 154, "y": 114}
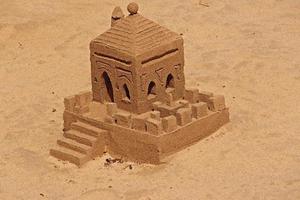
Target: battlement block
{"x": 166, "y": 110}
{"x": 216, "y": 103}
{"x": 78, "y": 103}
{"x": 170, "y": 99}
{"x": 155, "y": 115}
{"x": 184, "y": 116}
{"x": 191, "y": 95}
{"x": 154, "y": 126}
{"x": 70, "y": 103}
{"x": 169, "y": 123}
{"x": 184, "y": 103}
{"x": 199, "y": 109}
{"x": 68, "y": 120}
{"x": 204, "y": 96}
{"x": 83, "y": 98}
{"x": 122, "y": 119}
{"x": 111, "y": 108}
{"x": 156, "y": 104}
{"x": 139, "y": 122}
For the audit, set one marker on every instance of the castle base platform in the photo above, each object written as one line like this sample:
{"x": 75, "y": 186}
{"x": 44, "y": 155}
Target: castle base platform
{"x": 92, "y": 128}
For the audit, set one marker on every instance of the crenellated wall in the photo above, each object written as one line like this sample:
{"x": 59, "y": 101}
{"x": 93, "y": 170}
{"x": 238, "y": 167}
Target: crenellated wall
{"x": 170, "y": 116}
{"x": 78, "y": 104}
{"x": 150, "y": 136}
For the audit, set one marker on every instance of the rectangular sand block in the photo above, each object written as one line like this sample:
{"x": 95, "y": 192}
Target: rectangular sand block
{"x": 184, "y": 116}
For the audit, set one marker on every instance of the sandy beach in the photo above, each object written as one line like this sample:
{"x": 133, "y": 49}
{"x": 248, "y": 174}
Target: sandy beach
{"x": 247, "y": 50}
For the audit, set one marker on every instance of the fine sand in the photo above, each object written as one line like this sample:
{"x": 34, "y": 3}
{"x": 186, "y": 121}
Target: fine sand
{"x": 248, "y": 50}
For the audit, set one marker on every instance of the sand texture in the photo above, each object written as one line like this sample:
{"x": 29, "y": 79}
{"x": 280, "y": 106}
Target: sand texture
{"x": 247, "y": 50}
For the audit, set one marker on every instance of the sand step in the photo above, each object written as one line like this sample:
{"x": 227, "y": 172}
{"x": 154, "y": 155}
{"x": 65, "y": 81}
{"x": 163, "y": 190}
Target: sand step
{"x": 87, "y": 128}
{"x": 80, "y": 137}
{"x": 75, "y": 157}
{"x": 74, "y": 145}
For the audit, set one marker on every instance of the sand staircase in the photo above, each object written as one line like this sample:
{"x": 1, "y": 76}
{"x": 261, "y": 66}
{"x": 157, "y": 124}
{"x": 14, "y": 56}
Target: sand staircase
{"x": 80, "y": 144}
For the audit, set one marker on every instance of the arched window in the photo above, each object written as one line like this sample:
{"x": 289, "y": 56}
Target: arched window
{"x": 126, "y": 94}
{"x": 109, "y": 88}
{"x": 151, "y": 90}
{"x": 170, "y": 81}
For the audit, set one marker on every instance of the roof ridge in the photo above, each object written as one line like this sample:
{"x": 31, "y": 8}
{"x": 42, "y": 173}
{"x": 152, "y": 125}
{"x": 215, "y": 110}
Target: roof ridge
{"x": 133, "y": 19}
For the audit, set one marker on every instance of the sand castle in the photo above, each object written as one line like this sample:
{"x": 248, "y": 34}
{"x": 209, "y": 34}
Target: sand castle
{"x": 139, "y": 108}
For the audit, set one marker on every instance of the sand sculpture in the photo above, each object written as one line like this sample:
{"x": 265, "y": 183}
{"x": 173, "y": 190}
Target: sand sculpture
{"x": 139, "y": 108}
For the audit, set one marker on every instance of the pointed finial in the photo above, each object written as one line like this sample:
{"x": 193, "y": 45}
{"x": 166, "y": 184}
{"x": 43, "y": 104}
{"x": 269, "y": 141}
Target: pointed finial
{"x": 116, "y": 15}
{"x": 133, "y": 8}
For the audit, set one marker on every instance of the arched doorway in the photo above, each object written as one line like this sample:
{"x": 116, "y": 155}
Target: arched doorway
{"x": 108, "y": 93}
{"x": 151, "y": 90}
{"x": 170, "y": 84}
{"x": 170, "y": 81}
